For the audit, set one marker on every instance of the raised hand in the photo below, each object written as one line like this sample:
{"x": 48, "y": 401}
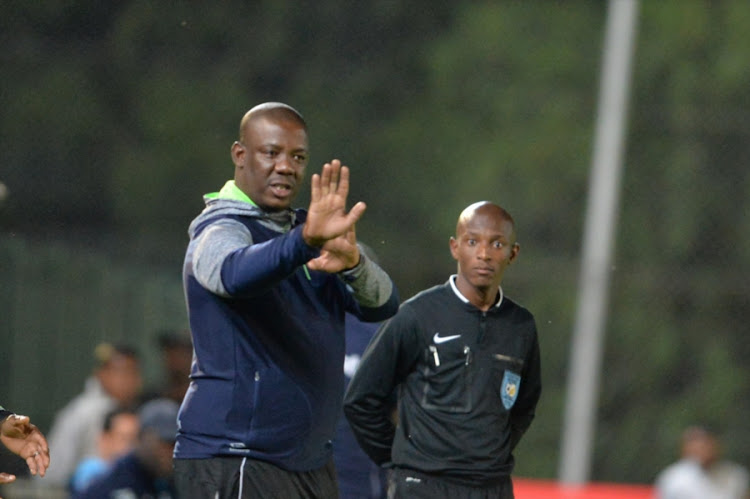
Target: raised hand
{"x": 337, "y": 254}
{"x": 327, "y": 218}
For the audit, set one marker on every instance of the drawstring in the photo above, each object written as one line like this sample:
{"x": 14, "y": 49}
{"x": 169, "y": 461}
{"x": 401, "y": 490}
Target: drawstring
{"x": 242, "y": 473}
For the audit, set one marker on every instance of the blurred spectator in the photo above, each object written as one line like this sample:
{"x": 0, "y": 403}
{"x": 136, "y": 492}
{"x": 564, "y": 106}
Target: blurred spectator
{"x": 358, "y": 476}
{"x": 115, "y": 382}
{"x": 146, "y": 471}
{"x": 701, "y": 473}
{"x": 176, "y": 349}
{"x": 118, "y": 436}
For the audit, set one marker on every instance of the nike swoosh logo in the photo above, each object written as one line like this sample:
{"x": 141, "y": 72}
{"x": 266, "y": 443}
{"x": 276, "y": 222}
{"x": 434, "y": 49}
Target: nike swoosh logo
{"x": 442, "y": 339}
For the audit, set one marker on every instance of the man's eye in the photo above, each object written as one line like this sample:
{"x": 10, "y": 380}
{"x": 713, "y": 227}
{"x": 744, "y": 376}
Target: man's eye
{"x": 498, "y": 244}
{"x": 472, "y": 242}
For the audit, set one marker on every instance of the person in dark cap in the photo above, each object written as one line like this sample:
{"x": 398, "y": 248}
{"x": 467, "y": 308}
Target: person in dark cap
{"x": 146, "y": 471}
{"x": 177, "y": 355}
{"x": 176, "y": 349}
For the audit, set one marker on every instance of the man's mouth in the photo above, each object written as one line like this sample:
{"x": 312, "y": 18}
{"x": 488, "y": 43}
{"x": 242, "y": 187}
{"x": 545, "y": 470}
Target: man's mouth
{"x": 281, "y": 189}
{"x": 484, "y": 271}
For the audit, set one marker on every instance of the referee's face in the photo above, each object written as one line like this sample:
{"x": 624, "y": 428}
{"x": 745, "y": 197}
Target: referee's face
{"x": 484, "y": 246}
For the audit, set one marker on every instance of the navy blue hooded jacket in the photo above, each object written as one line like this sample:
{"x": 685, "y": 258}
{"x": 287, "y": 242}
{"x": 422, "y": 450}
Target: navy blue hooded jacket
{"x": 268, "y": 336}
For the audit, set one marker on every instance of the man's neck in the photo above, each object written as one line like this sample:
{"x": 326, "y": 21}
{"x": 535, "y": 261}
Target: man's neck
{"x": 483, "y": 298}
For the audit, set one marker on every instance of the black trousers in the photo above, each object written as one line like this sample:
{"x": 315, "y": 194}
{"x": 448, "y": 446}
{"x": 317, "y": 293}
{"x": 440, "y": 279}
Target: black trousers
{"x": 407, "y": 484}
{"x": 244, "y": 478}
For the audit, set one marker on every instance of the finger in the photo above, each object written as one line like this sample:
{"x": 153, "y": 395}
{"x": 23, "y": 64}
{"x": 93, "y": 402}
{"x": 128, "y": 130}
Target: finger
{"x": 38, "y": 438}
{"x": 325, "y": 179}
{"x": 343, "y": 185}
{"x": 31, "y": 463}
{"x": 335, "y": 174}
{"x": 6, "y": 478}
{"x": 356, "y": 212}
{"x": 41, "y": 462}
{"x": 38, "y": 462}
{"x": 19, "y": 424}
{"x": 315, "y": 187}
{"x": 19, "y": 420}
{"x": 314, "y": 264}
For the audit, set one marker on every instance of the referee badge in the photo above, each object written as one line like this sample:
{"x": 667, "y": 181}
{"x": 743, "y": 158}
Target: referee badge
{"x": 509, "y": 390}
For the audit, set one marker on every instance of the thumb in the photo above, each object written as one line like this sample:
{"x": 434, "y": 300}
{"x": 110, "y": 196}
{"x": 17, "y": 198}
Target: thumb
{"x": 356, "y": 212}
{"x": 18, "y": 420}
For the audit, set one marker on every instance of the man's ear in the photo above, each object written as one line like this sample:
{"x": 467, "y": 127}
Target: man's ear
{"x": 238, "y": 152}
{"x": 515, "y": 250}
{"x": 453, "y": 244}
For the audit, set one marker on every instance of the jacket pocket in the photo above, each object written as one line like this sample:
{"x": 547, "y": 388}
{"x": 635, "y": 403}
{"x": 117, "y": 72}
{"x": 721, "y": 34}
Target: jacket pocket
{"x": 281, "y": 417}
{"x": 447, "y": 378}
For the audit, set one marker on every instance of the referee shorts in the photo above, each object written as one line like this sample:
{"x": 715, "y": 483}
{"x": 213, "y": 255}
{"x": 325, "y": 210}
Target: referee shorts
{"x": 245, "y": 478}
{"x": 408, "y": 484}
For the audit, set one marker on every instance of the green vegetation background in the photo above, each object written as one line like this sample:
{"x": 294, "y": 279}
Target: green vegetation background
{"x": 117, "y": 116}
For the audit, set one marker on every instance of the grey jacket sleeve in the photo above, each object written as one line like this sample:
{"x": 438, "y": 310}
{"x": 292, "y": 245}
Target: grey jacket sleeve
{"x": 212, "y": 247}
{"x": 371, "y": 285}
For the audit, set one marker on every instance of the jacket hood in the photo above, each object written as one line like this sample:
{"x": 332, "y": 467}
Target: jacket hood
{"x": 217, "y": 206}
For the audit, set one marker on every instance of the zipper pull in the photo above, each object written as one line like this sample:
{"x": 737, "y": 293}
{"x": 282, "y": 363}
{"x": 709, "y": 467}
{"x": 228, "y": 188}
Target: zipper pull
{"x": 467, "y": 353}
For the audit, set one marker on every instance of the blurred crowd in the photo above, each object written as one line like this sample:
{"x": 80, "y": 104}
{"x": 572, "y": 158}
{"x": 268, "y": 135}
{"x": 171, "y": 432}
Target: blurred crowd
{"x": 118, "y": 433}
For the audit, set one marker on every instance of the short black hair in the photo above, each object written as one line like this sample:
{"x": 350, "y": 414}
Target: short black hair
{"x": 111, "y": 415}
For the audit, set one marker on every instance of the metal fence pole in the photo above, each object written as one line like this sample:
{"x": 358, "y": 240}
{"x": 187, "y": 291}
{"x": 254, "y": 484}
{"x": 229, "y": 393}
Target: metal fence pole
{"x": 601, "y": 217}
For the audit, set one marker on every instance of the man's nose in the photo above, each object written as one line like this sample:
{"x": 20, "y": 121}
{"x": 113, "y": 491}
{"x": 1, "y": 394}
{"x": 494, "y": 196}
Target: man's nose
{"x": 482, "y": 252}
{"x": 283, "y": 164}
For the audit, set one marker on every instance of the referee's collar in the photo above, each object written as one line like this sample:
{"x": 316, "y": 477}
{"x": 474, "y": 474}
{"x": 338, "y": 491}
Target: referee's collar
{"x": 461, "y": 297}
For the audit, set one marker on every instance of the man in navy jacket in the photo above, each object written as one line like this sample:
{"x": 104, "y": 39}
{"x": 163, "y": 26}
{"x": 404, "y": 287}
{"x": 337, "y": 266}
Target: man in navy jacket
{"x": 267, "y": 288}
